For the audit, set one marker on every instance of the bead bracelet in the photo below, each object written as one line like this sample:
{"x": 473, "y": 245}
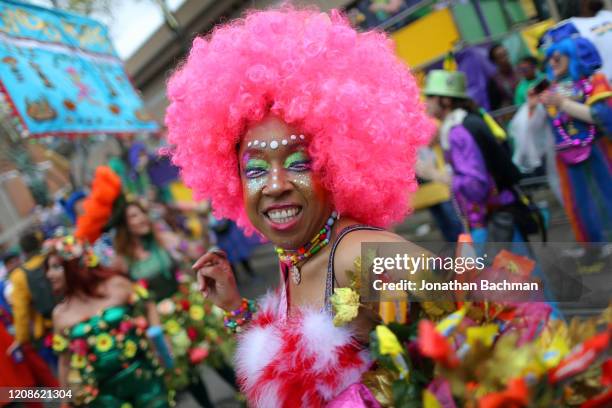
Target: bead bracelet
{"x": 235, "y": 319}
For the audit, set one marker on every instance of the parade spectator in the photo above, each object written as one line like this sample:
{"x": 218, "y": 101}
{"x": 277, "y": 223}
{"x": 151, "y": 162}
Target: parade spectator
{"x": 530, "y": 75}
{"x": 32, "y": 302}
{"x": 503, "y": 83}
{"x": 483, "y": 175}
{"x": 579, "y": 109}
{"x": 99, "y": 331}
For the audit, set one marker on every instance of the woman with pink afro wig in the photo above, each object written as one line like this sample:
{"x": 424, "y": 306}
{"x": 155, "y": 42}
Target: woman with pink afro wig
{"x": 296, "y": 126}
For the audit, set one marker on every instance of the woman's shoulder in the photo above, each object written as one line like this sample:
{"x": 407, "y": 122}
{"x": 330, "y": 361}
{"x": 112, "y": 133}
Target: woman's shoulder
{"x": 349, "y": 249}
{"x": 63, "y": 315}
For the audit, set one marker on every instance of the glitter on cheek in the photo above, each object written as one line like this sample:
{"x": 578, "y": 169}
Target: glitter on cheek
{"x": 255, "y": 185}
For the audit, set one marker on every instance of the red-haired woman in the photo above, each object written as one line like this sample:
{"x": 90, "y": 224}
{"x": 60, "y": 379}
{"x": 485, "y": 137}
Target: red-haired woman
{"x": 100, "y": 331}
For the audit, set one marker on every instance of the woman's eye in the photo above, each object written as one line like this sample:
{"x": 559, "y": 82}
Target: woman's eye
{"x": 256, "y": 168}
{"x": 303, "y": 165}
{"x": 254, "y": 172}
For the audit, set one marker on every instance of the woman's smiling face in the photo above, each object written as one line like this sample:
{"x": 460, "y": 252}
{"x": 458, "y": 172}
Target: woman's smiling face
{"x": 283, "y": 198}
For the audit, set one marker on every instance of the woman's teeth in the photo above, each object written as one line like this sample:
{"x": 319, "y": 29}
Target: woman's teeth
{"x": 283, "y": 216}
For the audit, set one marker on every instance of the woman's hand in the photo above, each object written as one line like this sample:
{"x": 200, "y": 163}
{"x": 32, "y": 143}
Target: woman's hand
{"x": 216, "y": 280}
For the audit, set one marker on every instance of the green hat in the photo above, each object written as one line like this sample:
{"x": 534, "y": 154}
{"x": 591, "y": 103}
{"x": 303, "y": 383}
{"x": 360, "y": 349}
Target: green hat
{"x": 445, "y": 83}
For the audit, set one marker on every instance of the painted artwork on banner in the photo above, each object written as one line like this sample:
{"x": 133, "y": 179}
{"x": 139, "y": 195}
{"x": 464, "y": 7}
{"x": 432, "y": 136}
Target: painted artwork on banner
{"x": 59, "y": 75}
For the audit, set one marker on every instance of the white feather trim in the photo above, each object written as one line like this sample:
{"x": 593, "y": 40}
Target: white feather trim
{"x": 321, "y": 339}
{"x": 256, "y": 349}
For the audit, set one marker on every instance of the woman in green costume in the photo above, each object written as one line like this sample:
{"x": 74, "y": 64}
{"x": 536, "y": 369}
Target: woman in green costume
{"x": 194, "y": 328}
{"x": 100, "y": 326}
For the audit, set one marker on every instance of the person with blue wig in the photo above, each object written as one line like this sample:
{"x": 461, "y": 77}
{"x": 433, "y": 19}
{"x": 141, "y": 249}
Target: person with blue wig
{"x": 578, "y": 104}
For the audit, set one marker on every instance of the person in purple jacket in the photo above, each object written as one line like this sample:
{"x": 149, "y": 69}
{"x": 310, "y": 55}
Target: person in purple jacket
{"x": 483, "y": 176}
{"x": 483, "y": 181}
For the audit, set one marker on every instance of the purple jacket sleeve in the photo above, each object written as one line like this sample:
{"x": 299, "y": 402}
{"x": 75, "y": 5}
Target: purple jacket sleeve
{"x": 470, "y": 176}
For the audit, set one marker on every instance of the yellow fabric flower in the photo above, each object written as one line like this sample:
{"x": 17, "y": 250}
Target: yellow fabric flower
{"x": 59, "y": 343}
{"x": 482, "y": 334}
{"x": 345, "y": 302}
{"x": 387, "y": 342}
{"x": 129, "y": 349}
{"x": 430, "y": 400}
{"x": 78, "y": 361}
{"x": 196, "y": 312}
{"x": 104, "y": 342}
{"x": 172, "y": 327}
{"x": 141, "y": 291}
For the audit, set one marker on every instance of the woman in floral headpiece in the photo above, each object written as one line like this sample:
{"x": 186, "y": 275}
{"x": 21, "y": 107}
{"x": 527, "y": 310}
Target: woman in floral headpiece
{"x": 105, "y": 357}
{"x": 299, "y": 128}
{"x": 579, "y": 108}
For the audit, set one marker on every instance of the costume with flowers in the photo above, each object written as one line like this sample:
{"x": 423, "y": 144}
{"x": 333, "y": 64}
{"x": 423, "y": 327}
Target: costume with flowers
{"x": 193, "y": 326}
{"x": 584, "y": 151}
{"x": 111, "y": 360}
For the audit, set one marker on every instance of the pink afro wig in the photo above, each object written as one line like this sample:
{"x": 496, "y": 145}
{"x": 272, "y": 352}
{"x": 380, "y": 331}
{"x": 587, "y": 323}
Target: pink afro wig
{"x": 347, "y": 91}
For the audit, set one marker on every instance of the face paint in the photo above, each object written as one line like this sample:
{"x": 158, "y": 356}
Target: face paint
{"x": 297, "y": 161}
{"x": 255, "y": 168}
{"x": 277, "y": 176}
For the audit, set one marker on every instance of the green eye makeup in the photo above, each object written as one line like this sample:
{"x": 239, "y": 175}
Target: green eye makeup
{"x": 256, "y": 168}
{"x": 297, "y": 161}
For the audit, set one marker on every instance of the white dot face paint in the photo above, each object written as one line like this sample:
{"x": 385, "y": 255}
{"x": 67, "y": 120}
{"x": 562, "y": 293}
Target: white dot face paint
{"x": 285, "y": 142}
{"x": 249, "y": 144}
{"x": 293, "y": 137}
{"x": 263, "y": 144}
{"x": 302, "y": 137}
{"x": 255, "y": 142}
{"x": 274, "y": 145}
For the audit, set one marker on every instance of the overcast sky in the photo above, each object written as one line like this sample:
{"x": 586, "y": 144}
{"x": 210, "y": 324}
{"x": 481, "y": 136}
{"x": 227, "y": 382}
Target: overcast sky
{"x": 131, "y": 23}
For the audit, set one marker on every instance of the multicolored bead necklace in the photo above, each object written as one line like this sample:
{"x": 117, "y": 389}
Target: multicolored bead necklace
{"x": 301, "y": 254}
{"x": 562, "y": 118}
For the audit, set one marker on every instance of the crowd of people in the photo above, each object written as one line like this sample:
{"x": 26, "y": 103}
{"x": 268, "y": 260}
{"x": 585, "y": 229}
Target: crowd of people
{"x": 285, "y": 126}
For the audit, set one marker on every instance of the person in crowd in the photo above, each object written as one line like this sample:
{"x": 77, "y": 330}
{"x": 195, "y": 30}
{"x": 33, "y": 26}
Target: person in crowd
{"x": 530, "y": 75}
{"x": 503, "y": 83}
{"x": 100, "y": 325}
{"x": 154, "y": 256}
{"x": 579, "y": 110}
{"x": 32, "y": 302}
{"x": 283, "y": 123}
{"x": 483, "y": 176}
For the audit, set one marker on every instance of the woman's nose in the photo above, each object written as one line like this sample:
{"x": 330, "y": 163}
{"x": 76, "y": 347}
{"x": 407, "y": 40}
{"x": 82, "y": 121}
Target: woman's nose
{"x": 277, "y": 183}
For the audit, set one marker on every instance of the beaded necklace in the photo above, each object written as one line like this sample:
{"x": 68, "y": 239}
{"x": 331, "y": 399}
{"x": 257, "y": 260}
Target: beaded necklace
{"x": 563, "y": 118}
{"x": 291, "y": 260}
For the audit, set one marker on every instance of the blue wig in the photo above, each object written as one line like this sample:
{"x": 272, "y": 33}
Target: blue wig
{"x": 584, "y": 59}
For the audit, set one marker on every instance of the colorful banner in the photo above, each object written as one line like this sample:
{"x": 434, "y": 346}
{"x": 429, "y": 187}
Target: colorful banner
{"x": 59, "y": 75}
{"x": 426, "y": 39}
